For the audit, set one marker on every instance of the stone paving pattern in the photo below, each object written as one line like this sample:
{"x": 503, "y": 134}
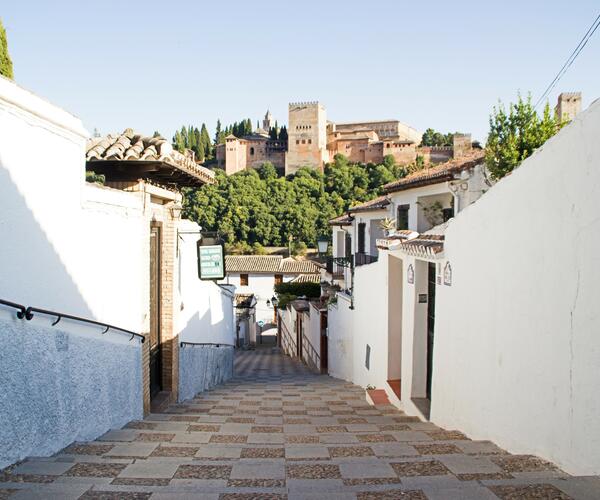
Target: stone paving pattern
{"x": 277, "y": 431}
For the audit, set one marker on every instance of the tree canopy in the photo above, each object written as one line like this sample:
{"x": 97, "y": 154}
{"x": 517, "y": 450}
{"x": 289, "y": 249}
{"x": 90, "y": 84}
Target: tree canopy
{"x": 6, "y": 66}
{"x": 515, "y": 134}
{"x": 433, "y": 138}
{"x": 257, "y": 206}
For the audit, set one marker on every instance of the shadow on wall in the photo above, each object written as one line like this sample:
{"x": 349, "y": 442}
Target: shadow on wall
{"x": 58, "y": 383}
{"x": 31, "y": 271}
{"x": 215, "y": 324}
{"x": 203, "y": 367}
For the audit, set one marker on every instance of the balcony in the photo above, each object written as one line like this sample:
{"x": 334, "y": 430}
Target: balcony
{"x": 361, "y": 259}
{"x": 335, "y": 266}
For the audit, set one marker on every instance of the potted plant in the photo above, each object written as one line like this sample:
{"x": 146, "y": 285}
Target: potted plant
{"x": 388, "y": 225}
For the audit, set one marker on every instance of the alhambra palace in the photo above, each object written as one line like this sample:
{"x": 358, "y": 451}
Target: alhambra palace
{"x": 313, "y": 141}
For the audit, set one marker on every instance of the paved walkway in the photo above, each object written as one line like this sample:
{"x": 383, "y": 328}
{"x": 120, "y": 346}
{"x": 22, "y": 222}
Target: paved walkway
{"x": 278, "y": 431}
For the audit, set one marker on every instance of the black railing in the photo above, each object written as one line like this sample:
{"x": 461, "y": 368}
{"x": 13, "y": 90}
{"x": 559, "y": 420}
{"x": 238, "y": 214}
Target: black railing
{"x": 336, "y": 265}
{"x": 360, "y": 259}
{"x": 21, "y": 309}
{"x": 28, "y": 314}
{"x": 181, "y": 344}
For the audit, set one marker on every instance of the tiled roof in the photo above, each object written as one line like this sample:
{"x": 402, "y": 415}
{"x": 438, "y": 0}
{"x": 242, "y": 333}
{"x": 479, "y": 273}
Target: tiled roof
{"x": 439, "y": 173}
{"x": 424, "y": 246}
{"x": 269, "y": 264}
{"x": 379, "y": 203}
{"x": 244, "y": 300}
{"x": 294, "y": 266}
{"x": 342, "y": 220}
{"x": 307, "y": 278}
{"x": 429, "y": 244}
{"x": 253, "y": 263}
{"x": 121, "y": 156}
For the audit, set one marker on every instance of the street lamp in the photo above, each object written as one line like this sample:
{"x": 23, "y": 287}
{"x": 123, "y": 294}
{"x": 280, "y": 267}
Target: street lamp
{"x": 275, "y": 302}
{"x": 322, "y": 244}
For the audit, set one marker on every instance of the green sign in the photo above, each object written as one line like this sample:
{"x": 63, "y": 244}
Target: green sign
{"x": 211, "y": 262}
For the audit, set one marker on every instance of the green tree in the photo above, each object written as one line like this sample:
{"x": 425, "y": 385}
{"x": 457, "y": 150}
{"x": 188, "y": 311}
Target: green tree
{"x": 6, "y": 66}
{"x": 433, "y": 138}
{"x": 205, "y": 140}
{"x": 515, "y": 134}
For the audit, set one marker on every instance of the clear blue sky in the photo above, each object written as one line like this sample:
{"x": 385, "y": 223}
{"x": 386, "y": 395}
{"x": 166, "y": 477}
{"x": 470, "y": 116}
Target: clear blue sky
{"x": 157, "y": 65}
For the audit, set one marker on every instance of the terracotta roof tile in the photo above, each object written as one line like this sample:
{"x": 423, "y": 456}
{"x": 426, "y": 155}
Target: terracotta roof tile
{"x": 132, "y": 147}
{"x": 379, "y": 203}
{"x": 307, "y": 278}
{"x": 269, "y": 264}
{"x": 342, "y": 220}
{"x": 244, "y": 300}
{"x": 438, "y": 173}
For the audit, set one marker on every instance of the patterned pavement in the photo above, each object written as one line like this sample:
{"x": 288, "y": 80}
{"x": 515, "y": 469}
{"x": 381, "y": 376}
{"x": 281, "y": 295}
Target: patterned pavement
{"x": 278, "y": 431}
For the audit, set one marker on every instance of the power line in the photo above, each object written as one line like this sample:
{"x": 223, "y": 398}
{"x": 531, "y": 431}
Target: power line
{"x": 582, "y": 43}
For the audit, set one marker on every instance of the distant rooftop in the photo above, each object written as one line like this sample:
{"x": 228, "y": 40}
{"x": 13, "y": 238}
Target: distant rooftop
{"x": 269, "y": 264}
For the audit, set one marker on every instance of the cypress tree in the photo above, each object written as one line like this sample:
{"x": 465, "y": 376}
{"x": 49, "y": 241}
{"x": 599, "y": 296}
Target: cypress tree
{"x": 6, "y": 67}
{"x": 205, "y": 140}
{"x": 218, "y": 132}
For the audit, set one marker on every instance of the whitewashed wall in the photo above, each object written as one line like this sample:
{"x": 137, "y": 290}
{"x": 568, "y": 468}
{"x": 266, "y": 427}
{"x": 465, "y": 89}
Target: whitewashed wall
{"x": 517, "y": 350}
{"x": 62, "y": 241}
{"x": 206, "y": 311}
{"x": 340, "y": 332}
{"x": 64, "y": 245}
{"x": 370, "y": 323}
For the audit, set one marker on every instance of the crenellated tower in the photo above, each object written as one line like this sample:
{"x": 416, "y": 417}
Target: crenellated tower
{"x": 307, "y": 136}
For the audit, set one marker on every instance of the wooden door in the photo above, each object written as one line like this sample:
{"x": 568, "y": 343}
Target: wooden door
{"x": 155, "y": 340}
{"x": 323, "y": 350}
{"x": 299, "y": 335}
{"x": 430, "y": 324}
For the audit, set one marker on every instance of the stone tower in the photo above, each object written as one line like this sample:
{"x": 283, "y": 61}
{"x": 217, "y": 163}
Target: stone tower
{"x": 307, "y": 136}
{"x": 268, "y": 121}
{"x": 568, "y": 105}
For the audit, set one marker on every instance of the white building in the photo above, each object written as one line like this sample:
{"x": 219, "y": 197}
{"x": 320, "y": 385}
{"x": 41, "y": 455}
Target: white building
{"x": 365, "y": 321}
{"x": 258, "y": 274}
{"x": 486, "y": 323}
{"x": 86, "y": 252}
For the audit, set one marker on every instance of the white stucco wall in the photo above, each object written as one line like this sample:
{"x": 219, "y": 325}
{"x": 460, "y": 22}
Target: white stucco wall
{"x": 202, "y": 368}
{"x": 60, "y": 385}
{"x": 370, "y": 320}
{"x": 340, "y": 333}
{"x": 206, "y": 311}
{"x": 517, "y": 350}
{"x": 62, "y": 242}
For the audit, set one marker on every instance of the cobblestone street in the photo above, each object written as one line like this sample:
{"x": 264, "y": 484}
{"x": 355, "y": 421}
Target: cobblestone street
{"x": 278, "y": 431}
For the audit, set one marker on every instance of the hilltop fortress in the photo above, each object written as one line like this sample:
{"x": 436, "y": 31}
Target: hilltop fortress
{"x": 314, "y": 141}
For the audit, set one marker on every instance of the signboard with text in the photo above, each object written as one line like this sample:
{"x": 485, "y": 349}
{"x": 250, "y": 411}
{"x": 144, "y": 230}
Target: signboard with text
{"x": 211, "y": 262}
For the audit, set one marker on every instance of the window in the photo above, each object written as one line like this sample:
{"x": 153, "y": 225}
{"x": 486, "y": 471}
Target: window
{"x": 447, "y": 213}
{"x": 310, "y": 141}
{"x": 278, "y": 279}
{"x": 243, "y": 280}
{"x": 303, "y": 141}
{"x": 361, "y": 237}
{"x": 297, "y": 141}
{"x": 402, "y": 217}
{"x": 252, "y": 151}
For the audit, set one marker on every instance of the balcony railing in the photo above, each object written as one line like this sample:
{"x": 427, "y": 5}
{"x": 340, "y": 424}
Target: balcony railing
{"x": 335, "y": 266}
{"x": 361, "y": 259}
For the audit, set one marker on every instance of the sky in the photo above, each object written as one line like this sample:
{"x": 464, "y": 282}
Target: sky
{"x": 157, "y": 65}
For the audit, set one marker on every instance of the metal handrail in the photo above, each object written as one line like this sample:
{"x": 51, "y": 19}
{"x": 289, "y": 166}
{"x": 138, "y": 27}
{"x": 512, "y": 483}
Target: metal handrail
{"x": 30, "y": 310}
{"x": 181, "y": 344}
{"x": 316, "y": 354}
{"x": 21, "y": 309}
